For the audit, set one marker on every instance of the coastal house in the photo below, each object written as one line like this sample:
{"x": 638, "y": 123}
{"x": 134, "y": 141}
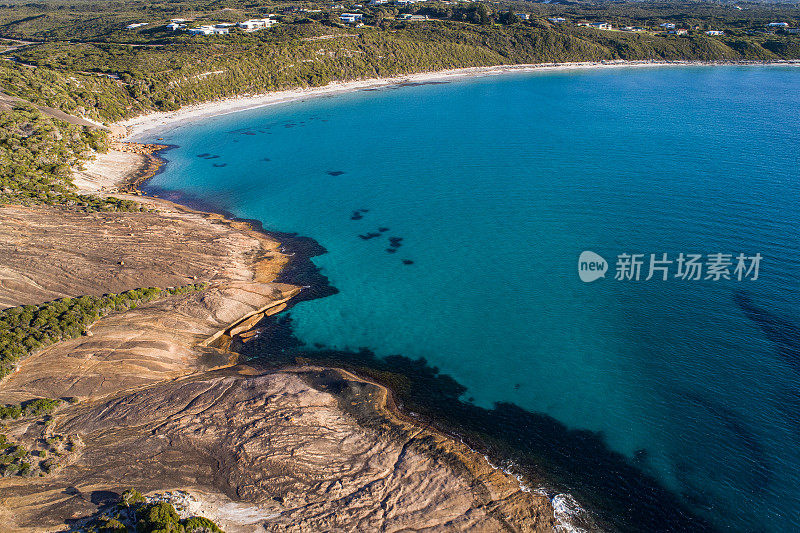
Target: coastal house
{"x": 632, "y": 28}
{"x": 219, "y": 29}
{"x": 679, "y": 31}
{"x": 257, "y": 24}
{"x": 778, "y": 25}
{"x": 412, "y": 18}
{"x": 600, "y": 25}
{"x": 557, "y": 20}
{"x": 522, "y": 16}
{"x": 715, "y": 32}
{"x": 136, "y": 25}
{"x": 174, "y": 26}
{"x": 351, "y": 18}
{"x": 667, "y": 26}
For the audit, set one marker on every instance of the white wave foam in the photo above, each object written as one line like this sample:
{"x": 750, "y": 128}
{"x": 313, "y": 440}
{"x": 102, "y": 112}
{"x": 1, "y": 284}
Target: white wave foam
{"x": 567, "y": 511}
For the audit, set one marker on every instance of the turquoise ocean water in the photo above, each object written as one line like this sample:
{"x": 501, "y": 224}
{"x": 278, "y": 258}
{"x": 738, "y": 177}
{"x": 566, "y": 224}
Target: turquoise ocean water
{"x": 495, "y": 186}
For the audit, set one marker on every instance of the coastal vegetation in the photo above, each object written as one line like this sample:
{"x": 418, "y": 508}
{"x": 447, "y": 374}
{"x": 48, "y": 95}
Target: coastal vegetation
{"x": 32, "y": 408}
{"x": 134, "y": 514}
{"x": 28, "y": 328}
{"x": 82, "y": 58}
{"x": 14, "y": 459}
{"x": 37, "y": 153}
{"x": 45, "y": 456}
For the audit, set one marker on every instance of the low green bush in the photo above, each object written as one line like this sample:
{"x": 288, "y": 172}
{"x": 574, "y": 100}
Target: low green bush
{"x": 27, "y": 328}
{"x": 37, "y": 154}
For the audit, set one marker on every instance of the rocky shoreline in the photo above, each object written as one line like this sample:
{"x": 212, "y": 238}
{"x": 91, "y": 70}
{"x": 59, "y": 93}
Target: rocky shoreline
{"x": 331, "y": 449}
{"x": 150, "y": 167}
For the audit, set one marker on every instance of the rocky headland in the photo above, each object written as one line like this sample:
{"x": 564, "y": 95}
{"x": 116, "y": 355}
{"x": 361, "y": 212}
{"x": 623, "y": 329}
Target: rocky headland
{"x": 159, "y": 402}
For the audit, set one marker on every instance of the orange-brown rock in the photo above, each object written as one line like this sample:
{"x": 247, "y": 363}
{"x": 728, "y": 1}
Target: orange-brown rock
{"x": 162, "y": 406}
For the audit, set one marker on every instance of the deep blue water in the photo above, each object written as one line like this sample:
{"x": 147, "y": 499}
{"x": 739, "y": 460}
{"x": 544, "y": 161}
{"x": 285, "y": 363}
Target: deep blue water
{"x": 496, "y": 185}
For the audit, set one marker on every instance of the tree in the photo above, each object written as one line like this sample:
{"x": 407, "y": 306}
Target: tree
{"x": 483, "y": 14}
{"x": 159, "y": 517}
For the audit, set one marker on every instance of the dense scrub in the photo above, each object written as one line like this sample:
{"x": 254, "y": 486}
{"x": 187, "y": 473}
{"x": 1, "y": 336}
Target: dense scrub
{"x": 33, "y": 408}
{"x": 186, "y": 71}
{"x": 133, "y": 514}
{"x": 37, "y": 153}
{"x": 28, "y": 328}
{"x": 89, "y": 64}
{"x": 87, "y": 95}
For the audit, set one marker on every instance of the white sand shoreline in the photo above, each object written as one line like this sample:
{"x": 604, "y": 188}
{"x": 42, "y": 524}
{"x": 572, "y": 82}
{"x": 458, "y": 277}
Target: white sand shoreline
{"x": 146, "y": 124}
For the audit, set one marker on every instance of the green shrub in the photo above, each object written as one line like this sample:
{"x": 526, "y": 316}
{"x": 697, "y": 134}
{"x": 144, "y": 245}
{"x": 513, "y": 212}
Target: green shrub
{"x": 37, "y": 154}
{"x": 112, "y": 525}
{"x": 131, "y": 498}
{"x": 199, "y": 524}
{"x": 159, "y": 517}
{"x": 24, "y": 329}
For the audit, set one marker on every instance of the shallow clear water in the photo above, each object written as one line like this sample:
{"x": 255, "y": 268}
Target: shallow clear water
{"x": 496, "y": 185}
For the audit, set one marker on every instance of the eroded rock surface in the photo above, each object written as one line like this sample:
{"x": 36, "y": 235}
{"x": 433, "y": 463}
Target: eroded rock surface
{"x": 161, "y": 408}
{"x": 288, "y": 445}
{"x": 50, "y": 252}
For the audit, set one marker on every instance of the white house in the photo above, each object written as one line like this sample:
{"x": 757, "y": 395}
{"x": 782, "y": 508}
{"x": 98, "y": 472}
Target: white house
{"x": 136, "y": 25}
{"x": 557, "y": 20}
{"x": 174, "y": 26}
{"x": 219, "y": 29}
{"x": 257, "y": 24}
{"x": 778, "y": 25}
{"x": 601, "y": 25}
{"x": 679, "y": 31}
{"x": 412, "y": 18}
{"x": 522, "y": 16}
{"x": 351, "y": 18}
{"x": 668, "y": 26}
{"x": 715, "y": 32}
{"x": 251, "y": 25}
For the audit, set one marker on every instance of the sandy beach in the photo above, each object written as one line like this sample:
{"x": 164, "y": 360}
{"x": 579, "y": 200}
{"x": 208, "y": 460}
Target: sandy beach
{"x": 142, "y": 125}
{"x": 179, "y": 346}
{"x": 199, "y": 448}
